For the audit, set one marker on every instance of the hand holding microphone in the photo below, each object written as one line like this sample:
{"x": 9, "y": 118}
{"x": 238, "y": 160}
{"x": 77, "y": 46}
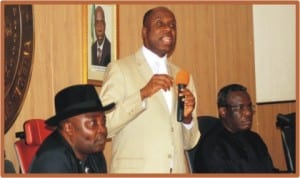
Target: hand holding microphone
{"x": 186, "y": 100}
{"x": 182, "y": 79}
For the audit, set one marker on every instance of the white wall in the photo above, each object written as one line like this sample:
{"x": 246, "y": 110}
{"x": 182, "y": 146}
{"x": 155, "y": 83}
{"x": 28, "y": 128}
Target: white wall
{"x": 275, "y": 52}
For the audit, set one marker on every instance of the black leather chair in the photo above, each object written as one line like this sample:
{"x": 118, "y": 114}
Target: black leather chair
{"x": 9, "y": 167}
{"x": 286, "y": 123}
{"x": 205, "y": 123}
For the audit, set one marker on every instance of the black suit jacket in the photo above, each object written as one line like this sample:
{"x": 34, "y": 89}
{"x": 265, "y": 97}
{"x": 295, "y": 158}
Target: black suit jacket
{"x": 106, "y": 53}
{"x": 56, "y": 156}
{"x": 220, "y": 151}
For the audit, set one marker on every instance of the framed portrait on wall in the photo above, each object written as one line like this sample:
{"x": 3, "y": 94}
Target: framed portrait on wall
{"x": 101, "y": 40}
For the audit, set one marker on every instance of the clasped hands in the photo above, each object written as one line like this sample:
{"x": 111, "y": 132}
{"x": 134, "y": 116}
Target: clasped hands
{"x": 165, "y": 82}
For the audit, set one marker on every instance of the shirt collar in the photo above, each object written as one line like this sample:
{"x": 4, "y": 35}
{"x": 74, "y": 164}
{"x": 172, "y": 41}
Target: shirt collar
{"x": 154, "y": 60}
{"x": 101, "y": 45}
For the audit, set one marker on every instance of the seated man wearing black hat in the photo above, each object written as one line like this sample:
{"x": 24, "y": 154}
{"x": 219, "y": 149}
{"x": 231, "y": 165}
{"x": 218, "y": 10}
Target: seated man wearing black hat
{"x": 80, "y": 133}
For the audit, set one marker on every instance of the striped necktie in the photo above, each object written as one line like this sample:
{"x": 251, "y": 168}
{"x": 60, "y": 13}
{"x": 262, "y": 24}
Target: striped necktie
{"x": 99, "y": 54}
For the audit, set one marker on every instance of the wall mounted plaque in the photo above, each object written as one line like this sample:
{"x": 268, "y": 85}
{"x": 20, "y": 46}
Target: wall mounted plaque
{"x": 18, "y": 36}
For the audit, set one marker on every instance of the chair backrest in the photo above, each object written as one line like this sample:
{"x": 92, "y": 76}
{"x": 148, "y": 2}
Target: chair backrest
{"x": 205, "y": 123}
{"x": 35, "y": 131}
{"x": 9, "y": 167}
{"x": 286, "y": 123}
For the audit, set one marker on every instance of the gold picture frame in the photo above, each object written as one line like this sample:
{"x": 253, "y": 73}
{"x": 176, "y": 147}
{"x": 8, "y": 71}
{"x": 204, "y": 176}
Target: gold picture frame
{"x": 94, "y": 73}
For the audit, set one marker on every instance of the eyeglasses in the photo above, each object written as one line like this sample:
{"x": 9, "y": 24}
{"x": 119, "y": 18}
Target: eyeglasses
{"x": 241, "y": 108}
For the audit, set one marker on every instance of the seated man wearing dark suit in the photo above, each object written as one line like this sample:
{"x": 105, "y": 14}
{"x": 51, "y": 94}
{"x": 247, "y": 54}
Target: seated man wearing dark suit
{"x": 230, "y": 146}
{"x": 77, "y": 143}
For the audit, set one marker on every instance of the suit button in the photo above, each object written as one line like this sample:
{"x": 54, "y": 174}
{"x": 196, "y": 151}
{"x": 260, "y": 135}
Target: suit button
{"x": 169, "y": 156}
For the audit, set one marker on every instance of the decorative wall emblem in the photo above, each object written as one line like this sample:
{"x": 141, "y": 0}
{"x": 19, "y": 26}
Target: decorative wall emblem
{"x": 18, "y": 58}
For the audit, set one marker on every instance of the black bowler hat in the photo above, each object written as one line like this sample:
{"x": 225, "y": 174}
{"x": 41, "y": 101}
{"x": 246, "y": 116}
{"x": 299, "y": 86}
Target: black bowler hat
{"x": 75, "y": 100}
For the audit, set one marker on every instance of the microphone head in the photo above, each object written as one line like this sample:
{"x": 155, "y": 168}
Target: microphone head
{"x": 182, "y": 77}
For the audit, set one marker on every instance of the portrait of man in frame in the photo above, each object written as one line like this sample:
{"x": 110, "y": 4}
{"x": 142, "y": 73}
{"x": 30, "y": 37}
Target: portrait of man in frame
{"x": 101, "y": 39}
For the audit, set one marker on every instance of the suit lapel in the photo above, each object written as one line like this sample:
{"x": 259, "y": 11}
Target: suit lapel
{"x": 146, "y": 72}
{"x": 143, "y": 67}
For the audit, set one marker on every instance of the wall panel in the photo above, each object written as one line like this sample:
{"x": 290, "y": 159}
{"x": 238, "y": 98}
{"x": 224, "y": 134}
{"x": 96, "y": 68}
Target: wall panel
{"x": 57, "y": 64}
{"x": 267, "y": 129}
{"x": 234, "y": 46}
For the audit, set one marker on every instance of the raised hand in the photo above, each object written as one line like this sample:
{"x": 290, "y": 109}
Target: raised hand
{"x": 157, "y": 82}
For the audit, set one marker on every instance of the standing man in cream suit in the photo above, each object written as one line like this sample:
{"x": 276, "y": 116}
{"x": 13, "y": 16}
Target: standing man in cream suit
{"x": 146, "y": 136}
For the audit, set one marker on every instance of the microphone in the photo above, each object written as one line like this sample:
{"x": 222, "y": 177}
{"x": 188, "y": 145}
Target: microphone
{"x": 182, "y": 79}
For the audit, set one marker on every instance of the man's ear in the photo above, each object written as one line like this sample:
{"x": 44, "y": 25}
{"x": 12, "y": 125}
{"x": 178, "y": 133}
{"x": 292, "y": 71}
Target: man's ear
{"x": 144, "y": 32}
{"x": 68, "y": 127}
{"x": 222, "y": 111}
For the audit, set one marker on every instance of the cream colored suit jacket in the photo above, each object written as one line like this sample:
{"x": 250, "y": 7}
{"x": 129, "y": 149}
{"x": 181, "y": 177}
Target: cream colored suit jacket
{"x": 144, "y": 139}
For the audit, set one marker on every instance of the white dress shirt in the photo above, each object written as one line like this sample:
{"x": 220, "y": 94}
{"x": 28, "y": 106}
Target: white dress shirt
{"x": 158, "y": 65}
